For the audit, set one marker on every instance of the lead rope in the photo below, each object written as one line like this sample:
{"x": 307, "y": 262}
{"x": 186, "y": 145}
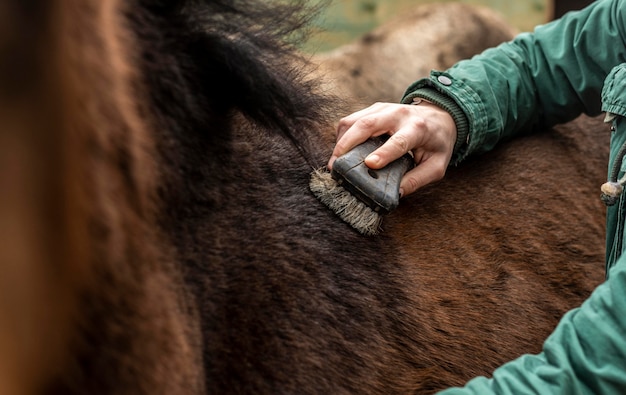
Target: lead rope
{"x": 613, "y": 188}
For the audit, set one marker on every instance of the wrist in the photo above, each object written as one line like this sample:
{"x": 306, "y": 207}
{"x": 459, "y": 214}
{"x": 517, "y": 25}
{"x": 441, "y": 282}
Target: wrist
{"x": 450, "y": 106}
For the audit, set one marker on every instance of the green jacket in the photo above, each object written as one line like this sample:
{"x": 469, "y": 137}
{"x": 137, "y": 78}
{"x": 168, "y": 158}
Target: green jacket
{"x": 571, "y": 66}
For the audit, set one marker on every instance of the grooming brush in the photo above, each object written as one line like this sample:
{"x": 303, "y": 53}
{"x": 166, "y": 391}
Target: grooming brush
{"x": 357, "y": 194}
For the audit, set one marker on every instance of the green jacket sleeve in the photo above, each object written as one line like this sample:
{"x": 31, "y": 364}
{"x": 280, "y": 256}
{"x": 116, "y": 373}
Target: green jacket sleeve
{"x": 539, "y": 79}
{"x": 586, "y": 354}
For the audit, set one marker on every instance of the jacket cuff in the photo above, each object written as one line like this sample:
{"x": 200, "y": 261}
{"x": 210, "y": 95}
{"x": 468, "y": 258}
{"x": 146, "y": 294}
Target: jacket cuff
{"x": 447, "y": 103}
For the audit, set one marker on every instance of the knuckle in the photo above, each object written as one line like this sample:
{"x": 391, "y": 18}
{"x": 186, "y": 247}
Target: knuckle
{"x": 419, "y": 123}
{"x": 400, "y": 142}
{"x": 366, "y": 123}
{"x": 439, "y": 173}
{"x": 340, "y": 147}
{"x": 412, "y": 184}
{"x": 400, "y": 108}
{"x": 344, "y": 123}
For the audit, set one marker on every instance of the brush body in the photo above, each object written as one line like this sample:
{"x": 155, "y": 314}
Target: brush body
{"x": 358, "y": 194}
{"x": 378, "y": 188}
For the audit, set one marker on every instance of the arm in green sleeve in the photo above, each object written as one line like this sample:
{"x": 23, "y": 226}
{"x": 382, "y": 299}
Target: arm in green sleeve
{"x": 586, "y": 354}
{"x": 537, "y": 80}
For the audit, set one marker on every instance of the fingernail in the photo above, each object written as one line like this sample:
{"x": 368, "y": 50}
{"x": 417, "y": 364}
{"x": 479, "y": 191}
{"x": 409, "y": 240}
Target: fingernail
{"x": 401, "y": 192}
{"x": 372, "y": 159}
{"x": 331, "y": 161}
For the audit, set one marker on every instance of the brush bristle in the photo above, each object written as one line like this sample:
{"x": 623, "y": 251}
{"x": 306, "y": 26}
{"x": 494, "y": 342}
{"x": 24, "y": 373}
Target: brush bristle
{"x": 349, "y": 208}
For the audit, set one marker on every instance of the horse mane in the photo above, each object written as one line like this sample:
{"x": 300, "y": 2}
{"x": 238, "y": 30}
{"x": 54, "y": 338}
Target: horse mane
{"x": 234, "y": 56}
{"x": 138, "y": 87}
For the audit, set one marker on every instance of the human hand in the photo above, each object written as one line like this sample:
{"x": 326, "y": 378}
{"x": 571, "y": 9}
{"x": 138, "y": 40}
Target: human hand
{"x": 426, "y": 130}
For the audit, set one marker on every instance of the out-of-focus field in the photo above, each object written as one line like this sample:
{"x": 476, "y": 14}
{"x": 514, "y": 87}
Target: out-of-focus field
{"x": 346, "y": 20}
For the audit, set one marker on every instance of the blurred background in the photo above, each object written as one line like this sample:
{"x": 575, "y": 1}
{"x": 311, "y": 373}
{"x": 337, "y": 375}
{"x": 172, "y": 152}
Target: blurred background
{"x": 346, "y": 20}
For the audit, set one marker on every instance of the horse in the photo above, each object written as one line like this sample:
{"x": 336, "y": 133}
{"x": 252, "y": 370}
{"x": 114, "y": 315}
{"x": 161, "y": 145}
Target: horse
{"x": 161, "y": 238}
{"x": 381, "y": 64}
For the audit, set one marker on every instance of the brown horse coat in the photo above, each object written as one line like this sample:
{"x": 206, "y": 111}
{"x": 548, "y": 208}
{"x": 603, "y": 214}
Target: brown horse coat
{"x": 161, "y": 238}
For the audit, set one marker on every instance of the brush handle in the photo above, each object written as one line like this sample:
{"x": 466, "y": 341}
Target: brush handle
{"x": 378, "y": 188}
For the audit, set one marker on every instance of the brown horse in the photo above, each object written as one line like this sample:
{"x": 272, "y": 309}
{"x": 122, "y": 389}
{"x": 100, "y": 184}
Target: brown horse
{"x": 160, "y": 236}
{"x": 383, "y": 63}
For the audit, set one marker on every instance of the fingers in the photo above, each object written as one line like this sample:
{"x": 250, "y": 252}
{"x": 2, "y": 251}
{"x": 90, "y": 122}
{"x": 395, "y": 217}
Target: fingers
{"x": 347, "y": 122}
{"x": 356, "y": 128}
{"x": 428, "y": 171}
{"x": 378, "y": 119}
{"x": 397, "y": 145}
{"x": 427, "y": 131}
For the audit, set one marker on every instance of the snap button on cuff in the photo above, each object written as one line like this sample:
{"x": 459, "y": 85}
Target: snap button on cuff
{"x": 444, "y": 80}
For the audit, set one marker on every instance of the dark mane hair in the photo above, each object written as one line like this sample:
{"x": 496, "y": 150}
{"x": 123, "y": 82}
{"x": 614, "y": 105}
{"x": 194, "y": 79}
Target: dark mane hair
{"x": 212, "y": 58}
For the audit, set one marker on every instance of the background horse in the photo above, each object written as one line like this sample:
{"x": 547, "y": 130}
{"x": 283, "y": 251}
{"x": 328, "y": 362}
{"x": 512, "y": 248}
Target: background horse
{"x": 160, "y": 236}
{"x": 383, "y": 63}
